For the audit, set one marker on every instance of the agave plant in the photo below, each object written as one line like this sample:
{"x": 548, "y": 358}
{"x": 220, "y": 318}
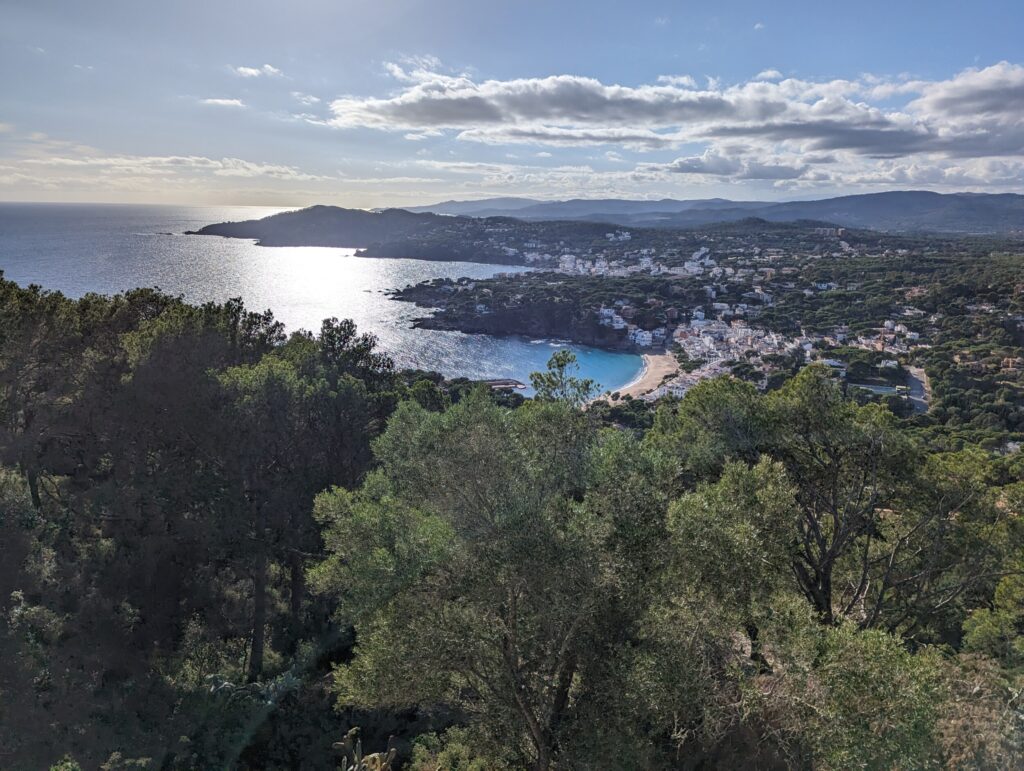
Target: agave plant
{"x": 353, "y": 759}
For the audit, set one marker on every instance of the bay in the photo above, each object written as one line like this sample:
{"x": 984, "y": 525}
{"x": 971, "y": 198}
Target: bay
{"x": 82, "y": 248}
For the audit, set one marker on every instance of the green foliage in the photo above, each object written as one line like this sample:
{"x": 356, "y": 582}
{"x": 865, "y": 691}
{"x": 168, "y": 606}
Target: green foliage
{"x": 224, "y": 547}
{"x": 719, "y": 420}
{"x": 999, "y": 631}
{"x": 160, "y": 458}
{"x": 854, "y": 699}
{"x": 557, "y": 384}
{"x": 67, "y": 763}
{"x": 734, "y": 537}
{"x": 507, "y": 613}
{"x": 455, "y": 750}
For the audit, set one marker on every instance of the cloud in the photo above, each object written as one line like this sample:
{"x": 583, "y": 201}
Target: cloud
{"x": 306, "y": 99}
{"x": 170, "y": 164}
{"x": 639, "y": 139}
{"x": 236, "y": 167}
{"x": 850, "y": 126}
{"x": 561, "y": 101}
{"x": 965, "y": 131}
{"x": 683, "y": 81}
{"x": 993, "y": 92}
{"x": 759, "y": 25}
{"x": 267, "y": 70}
{"x": 413, "y": 69}
{"x": 419, "y": 136}
{"x": 714, "y": 163}
{"x": 223, "y": 102}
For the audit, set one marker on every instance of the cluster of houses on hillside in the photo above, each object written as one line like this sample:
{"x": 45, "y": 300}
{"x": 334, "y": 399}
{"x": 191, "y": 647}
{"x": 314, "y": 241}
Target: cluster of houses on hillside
{"x": 631, "y": 263}
{"x": 717, "y": 344}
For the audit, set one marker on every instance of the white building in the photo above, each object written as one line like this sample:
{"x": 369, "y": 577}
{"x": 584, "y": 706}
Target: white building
{"x": 642, "y": 337}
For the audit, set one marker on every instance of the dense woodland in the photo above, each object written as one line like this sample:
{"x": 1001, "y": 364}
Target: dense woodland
{"x": 222, "y": 546}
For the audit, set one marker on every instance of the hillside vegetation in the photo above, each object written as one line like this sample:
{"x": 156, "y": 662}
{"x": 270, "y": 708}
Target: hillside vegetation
{"x": 226, "y": 547}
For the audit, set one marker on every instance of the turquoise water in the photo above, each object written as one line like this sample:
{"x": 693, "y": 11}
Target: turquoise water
{"x": 78, "y": 248}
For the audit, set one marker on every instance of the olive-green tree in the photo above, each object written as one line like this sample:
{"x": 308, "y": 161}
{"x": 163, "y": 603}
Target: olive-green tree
{"x": 477, "y": 573}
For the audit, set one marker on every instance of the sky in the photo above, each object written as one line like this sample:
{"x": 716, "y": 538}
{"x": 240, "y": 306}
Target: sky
{"x": 399, "y": 102}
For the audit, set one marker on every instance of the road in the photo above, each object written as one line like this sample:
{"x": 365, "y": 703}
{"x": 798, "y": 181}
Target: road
{"x": 920, "y": 389}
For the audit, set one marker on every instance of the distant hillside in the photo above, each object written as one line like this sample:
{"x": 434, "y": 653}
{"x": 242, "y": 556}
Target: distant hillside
{"x": 591, "y": 209}
{"x": 509, "y": 240}
{"x": 486, "y": 208}
{"x": 326, "y": 226}
{"x": 900, "y": 211}
{"x": 401, "y": 233}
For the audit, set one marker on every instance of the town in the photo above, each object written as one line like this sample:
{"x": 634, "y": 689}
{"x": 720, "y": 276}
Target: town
{"x": 751, "y": 299}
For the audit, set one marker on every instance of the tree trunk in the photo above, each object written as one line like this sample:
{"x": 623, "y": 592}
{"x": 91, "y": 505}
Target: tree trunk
{"x": 827, "y": 613}
{"x": 33, "y": 487}
{"x": 296, "y": 597}
{"x": 259, "y": 613}
{"x": 543, "y": 762}
{"x": 539, "y": 737}
{"x": 817, "y": 588}
{"x": 756, "y": 648}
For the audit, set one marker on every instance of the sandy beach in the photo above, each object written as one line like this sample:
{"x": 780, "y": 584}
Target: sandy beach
{"x": 656, "y": 367}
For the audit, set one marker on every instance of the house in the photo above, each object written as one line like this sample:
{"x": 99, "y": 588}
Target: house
{"x": 642, "y": 337}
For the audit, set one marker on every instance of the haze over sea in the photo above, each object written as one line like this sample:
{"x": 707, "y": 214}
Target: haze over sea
{"x": 82, "y": 248}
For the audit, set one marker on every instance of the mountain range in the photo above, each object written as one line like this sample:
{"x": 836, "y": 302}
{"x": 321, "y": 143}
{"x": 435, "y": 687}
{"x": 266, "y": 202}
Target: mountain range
{"x": 897, "y": 211}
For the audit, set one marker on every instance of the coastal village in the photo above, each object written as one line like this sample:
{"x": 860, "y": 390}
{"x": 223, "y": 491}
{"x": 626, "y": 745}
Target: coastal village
{"x": 720, "y": 315}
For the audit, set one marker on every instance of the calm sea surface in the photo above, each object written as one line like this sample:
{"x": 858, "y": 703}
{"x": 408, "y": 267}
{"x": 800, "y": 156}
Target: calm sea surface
{"x": 78, "y": 248}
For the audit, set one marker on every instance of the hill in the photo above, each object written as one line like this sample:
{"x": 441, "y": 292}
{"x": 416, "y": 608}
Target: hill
{"x": 485, "y": 208}
{"x": 896, "y": 211}
{"x": 325, "y": 226}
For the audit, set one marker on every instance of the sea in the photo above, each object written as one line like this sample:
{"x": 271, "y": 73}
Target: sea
{"x": 81, "y": 248}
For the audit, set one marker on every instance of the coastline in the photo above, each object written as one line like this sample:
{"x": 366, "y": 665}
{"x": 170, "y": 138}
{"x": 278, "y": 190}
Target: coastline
{"x": 655, "y": 367}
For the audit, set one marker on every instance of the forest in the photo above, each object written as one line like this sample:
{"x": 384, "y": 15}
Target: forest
{"x": 227, "y": 546}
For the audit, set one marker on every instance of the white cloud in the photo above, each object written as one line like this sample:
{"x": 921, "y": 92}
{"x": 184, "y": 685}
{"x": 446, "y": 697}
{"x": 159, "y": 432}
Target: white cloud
{"x": 170, "y": 164}
{"x": 223, "y": 102}
{"x": 683, "y": 81}
{"x": 413, "y": 69}
{"x": 306, "y": 99}
{"x": 255, "y": 72}
{"x": 718, "y": 164}
{"x": 638, "y": 139}
{"x": 847, "y": 125}
{"x": 759, "y": 25}
{"x": 563, "y": 101}
{"x": 419, "y": 136}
